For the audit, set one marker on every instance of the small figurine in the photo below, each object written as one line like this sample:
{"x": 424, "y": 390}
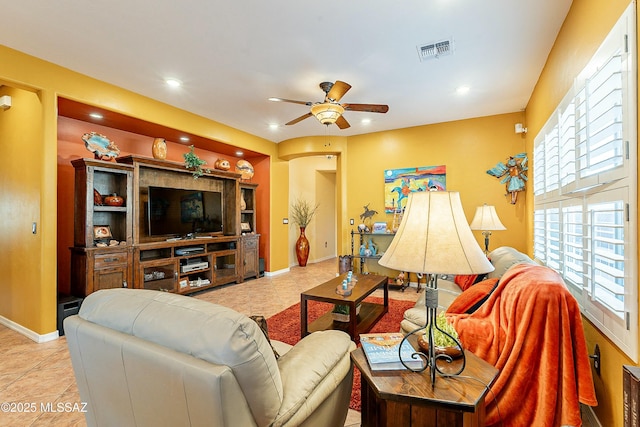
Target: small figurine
{"x": 400, "y": 279}
{"x": 367, "y": 214}
{"x": 372, "y": 248}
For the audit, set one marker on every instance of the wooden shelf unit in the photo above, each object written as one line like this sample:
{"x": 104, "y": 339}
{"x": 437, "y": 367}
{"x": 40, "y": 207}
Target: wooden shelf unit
{"x": 93, "y": 267}
{"x": 381, "y": 240}
{"x": 250, "y": 238}
{"x": 156, "y": 262}
{"x": 164, "y": 265}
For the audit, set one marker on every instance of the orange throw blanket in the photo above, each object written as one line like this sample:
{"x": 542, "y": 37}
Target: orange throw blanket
{"x": 530, "y": 328}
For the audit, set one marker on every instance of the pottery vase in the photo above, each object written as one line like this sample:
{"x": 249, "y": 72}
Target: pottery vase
{"x": 302, "y": 248}
{"x": 159, "y": 149}
{"x": 243, "y": 203}
{"x": 114, "y": 200}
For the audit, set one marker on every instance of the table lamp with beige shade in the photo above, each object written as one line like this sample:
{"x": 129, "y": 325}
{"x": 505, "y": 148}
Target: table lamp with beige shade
{"x": 486, "y": 219}
{"x": 434, "y": 238}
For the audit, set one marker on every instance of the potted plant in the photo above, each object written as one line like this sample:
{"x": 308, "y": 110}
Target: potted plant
{"x": 302, "y": 212}
{"x": 194, "y": 163}
{"x": 443, "y": 343}
{"x": 340, "y": 312}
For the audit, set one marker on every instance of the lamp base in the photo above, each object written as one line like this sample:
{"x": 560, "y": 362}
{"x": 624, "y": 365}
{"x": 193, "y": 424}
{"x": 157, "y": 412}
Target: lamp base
{"x": 428, "y": 351}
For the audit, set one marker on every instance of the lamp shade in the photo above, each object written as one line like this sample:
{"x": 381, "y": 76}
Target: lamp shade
{"x": 487, "y": 219}
{"x": 327, "y": 113}
{"x": 434, "y": 237}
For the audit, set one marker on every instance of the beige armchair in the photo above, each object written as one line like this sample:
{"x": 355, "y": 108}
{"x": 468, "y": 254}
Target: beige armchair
{"x": 144, "y": 358}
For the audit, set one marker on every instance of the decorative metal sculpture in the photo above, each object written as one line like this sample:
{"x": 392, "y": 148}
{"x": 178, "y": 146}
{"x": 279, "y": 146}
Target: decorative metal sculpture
{"x": 514, "y": 173}
{"x": 367, "y": 214}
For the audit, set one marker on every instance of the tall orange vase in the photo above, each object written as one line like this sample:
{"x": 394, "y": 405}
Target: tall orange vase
{"x": 302, "y": 248}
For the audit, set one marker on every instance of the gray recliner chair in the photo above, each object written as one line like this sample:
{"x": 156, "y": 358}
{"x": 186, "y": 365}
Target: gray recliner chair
{"x": 148, "y": 358}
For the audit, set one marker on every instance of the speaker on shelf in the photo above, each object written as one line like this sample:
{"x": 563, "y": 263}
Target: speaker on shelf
{"x": 67, "y": 306}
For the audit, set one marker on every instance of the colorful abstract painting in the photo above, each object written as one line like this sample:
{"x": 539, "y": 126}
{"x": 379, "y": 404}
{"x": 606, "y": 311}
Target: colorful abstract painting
{"x": 398, "y": 183}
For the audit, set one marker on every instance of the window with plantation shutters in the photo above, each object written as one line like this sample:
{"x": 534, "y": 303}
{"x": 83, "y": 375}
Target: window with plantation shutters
{"x": 585, "y": 189}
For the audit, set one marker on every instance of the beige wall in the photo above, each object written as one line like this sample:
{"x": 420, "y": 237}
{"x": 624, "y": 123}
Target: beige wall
{"x": 312, "y": 178}
{"x": 584, "y": 29}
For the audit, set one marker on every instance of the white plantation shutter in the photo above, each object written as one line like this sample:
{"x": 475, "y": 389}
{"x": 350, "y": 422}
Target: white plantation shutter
{"x": 585, "y": 189}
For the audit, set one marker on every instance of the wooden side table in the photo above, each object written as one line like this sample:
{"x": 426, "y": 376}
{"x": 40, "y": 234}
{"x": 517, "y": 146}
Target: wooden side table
{"x": 406, "y": 399}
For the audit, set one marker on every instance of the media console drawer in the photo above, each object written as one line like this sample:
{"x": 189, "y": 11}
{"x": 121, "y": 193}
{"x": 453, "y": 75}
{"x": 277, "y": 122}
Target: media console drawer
{"x": 110, "y": 259}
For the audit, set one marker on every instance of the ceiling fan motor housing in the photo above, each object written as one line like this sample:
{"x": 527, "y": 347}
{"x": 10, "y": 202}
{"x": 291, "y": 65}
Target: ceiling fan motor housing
{"x": 327, "y": 113}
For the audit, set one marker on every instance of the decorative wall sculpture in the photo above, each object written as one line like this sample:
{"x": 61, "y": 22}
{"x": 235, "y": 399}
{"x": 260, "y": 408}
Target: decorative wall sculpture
{"x": 513, "y": 173}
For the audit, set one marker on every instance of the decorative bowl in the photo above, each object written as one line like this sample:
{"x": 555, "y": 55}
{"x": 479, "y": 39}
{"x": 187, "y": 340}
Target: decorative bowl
{"x": 453, "y": 352}
{"x": 245, "y": 168}
{"x": 100, "y": 146}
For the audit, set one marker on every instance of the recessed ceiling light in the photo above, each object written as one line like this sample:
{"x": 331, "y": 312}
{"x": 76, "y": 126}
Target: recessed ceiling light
{"x": 273, "y": 126}
{"x": 366, "y": 121}
{"x": 96, "y": 116}
{"x": 461, "y": 90}
{"x": 184, "y": 138}
{"x": 173, "y": 82}
{"x": 239, "y": 153}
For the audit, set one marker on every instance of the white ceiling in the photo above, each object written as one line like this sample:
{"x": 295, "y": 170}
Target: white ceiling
{"x": 233, "y": 55}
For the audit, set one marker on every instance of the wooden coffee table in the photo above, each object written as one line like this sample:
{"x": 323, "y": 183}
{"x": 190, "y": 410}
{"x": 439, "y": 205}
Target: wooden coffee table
{"x": 405, "y": 398}
{"x": 362, "y": 323}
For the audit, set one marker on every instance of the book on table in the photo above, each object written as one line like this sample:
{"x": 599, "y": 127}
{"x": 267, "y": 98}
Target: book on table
{"x": 381, "y": 350}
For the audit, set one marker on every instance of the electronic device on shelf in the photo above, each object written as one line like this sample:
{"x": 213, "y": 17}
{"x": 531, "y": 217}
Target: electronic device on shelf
{"x": 188, "y": 268}
{"x": 189, "y": 250}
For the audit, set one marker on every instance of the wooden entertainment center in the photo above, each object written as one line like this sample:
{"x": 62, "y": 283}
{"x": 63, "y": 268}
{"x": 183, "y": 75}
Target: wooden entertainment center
{"x": 115, "y": 246}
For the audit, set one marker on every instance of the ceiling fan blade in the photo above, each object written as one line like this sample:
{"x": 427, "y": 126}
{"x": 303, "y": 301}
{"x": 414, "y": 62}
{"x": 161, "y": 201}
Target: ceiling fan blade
{"x": 299, "y": 119}
{"x": 338, "y": 90}
{"x": 308, "y": 103}
{"x": 342, "y": 123}
{"x": 371, "y": 108}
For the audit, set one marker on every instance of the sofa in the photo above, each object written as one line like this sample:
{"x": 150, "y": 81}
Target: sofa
{"x": 143, "y": 357}
{"x": 523, "y": 320}
{"x": 502, "y": 259}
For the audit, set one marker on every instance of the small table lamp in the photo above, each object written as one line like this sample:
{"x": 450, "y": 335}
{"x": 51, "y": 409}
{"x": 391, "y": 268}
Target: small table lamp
{"x": 486, "y": 219}
{"x": 434, "y": 238}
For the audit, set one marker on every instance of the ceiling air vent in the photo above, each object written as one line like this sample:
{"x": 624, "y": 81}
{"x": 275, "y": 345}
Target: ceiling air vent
{"x": 435, "y": 50}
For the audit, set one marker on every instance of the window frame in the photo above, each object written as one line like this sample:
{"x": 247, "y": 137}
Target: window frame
{"x": 557, "y": 193}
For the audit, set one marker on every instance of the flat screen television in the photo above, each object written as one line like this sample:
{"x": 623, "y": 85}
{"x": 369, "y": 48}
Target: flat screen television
{"x": 178, "y": 212}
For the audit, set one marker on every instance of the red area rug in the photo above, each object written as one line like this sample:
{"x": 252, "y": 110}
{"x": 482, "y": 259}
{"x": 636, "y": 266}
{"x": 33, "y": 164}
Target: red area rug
{"x": 285, "y": 327}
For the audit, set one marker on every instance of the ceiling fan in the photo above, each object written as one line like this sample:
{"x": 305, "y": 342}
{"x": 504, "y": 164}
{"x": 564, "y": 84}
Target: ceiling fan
{"x": 330, "y": 111}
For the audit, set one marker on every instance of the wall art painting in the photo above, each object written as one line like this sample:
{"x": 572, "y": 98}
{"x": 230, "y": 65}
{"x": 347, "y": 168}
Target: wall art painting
{"x": 398, "y": 183}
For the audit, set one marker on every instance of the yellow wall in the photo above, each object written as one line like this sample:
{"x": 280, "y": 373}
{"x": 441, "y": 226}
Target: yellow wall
{"x": 584, "y": 29}
{"x": 28, "y": 286}
{"x": 467, "y": 148}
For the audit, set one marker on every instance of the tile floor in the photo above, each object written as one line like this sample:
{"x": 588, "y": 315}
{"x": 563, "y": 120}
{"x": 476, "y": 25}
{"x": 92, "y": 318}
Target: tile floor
{"x": 38, "y": 378}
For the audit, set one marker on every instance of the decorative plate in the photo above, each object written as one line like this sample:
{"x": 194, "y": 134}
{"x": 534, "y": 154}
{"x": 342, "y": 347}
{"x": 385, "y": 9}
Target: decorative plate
{"x": 245, "y": 168}
{"x": 100, "y": 146}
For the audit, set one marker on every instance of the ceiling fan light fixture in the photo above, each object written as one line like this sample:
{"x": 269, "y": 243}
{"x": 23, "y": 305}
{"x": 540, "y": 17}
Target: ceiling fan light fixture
{"x": 327, "y": 113}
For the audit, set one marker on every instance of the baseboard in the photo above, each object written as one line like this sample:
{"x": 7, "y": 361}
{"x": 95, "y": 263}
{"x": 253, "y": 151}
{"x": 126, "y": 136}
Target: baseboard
{"x": 28, "y": 332}
{"x": 277, "y": 272}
